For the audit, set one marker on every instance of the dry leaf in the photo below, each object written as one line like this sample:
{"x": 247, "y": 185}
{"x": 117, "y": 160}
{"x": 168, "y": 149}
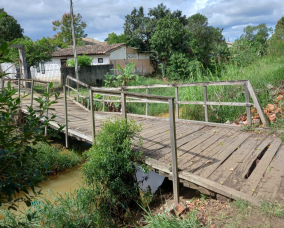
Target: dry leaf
{"x": 231, "y": 169}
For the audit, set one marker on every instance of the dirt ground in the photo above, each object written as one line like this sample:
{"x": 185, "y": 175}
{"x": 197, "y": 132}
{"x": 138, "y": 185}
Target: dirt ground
{"x": 213, "y": 213}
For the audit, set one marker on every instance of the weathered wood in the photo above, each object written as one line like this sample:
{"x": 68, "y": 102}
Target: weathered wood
{"x": 147, "y": 104}
{"x": 77, "y": 81}
{"x": 257, "y": 104}
{"x": 177, "y": 105}
{"x": 217, "y": 103}
{"x": 251, "y": 183}
{"x": 205, "y": 103}
{"x": 92, "y": 116}
{"x": 271, "y": 181}
{"x": 174, "y": 151}
{"x": 248, "y": 108}
{"x": 32, "y": 93}
{"x": 123, "y": 106}
{"x": 66, "y": 118}
{"x": 205, "y": 183}
{"x": 47, "y": 91}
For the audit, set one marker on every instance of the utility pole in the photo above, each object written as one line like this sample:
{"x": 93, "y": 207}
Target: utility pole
{"x": 74, "y": 48}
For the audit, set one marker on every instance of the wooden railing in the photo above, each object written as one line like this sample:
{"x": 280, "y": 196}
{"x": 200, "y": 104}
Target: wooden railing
{"x": 124, "y": 95}
{"x": 248, "y": 91}
{"x": 32, "y": 82}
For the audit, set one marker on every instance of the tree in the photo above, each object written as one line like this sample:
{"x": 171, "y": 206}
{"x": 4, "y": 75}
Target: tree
{"x": 206, "y": 40}
{"x": 9, "y": 28}
{"x": 64, "y": 30}
{"x": 36, "y": 51}
{"x": 170, "y": 36}
{"x": 277, "y": 39}
{"x": 113, "y": 38}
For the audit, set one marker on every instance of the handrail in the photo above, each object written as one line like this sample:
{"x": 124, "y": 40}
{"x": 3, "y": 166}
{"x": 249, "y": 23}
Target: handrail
{"x": 249, "y": 93}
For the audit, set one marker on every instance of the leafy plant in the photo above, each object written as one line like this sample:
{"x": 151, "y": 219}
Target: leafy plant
{"x": 82, "y": 61}
{"x": 111, "y": 166}
{"x": 16, "y": 139}
{"x": 126, "y": 75}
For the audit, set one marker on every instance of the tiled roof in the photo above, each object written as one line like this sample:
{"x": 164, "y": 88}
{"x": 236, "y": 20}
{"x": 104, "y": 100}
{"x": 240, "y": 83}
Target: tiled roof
{"x": 91, "y": 41}
{"x": 96, "y": 49}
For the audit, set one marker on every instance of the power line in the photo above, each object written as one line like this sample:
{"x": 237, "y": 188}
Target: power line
{"x": 95, "y": 5}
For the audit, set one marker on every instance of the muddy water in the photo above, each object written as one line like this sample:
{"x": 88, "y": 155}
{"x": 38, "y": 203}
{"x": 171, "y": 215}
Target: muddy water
{"x": 66, "y": 181}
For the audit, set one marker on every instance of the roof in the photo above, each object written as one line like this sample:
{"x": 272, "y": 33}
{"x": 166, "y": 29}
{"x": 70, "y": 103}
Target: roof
{"x": 97, "y": 49}
{"x": 92, "y": 41}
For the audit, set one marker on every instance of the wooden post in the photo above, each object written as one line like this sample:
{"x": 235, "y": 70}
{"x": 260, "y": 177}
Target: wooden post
{"x": 103, "y": 103}
{"x": 19, "y": 87}
{"x": 2, "y": 84}
{"x": 177, "y": 106}
{"x": 47, "y": 91}
{"x": 66, "y": 118}
{"x": 248, "y": 107}
{"x": 147, "y": 104}
{"x": 123, "y": 105}
{"x": 205, "y": 105}
{"x": 32, "y": 93}
{"x": 22, "y": 54}
{"x": 257, "y": 105}
{"x": 68, "y": 87}
{"x": 174, "y": 151}
{"x": 92, "y": 114}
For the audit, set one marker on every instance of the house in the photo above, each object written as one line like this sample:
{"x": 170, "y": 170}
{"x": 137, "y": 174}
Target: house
{"x": 102, "y": 54}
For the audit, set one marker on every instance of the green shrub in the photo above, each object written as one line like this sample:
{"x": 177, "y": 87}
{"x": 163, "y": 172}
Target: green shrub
{"x": 111, "y": 166}
{"x": 83, "y": 60}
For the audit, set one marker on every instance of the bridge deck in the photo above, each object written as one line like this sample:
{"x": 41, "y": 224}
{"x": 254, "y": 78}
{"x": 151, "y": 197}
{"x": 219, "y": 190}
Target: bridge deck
{"x": 248, "y": 162}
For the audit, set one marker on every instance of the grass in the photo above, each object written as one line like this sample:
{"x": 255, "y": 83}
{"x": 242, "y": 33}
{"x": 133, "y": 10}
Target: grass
{"x": 273, "y": 209}
{"x": 265, "y": 70}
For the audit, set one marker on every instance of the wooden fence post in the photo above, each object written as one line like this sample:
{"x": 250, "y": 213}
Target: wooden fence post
{"x": 147, "y": 104}
{"x": 32, "y": 93}
{"x": 19, "y": 87}
{"x": 103, "y": 103}
{"x": 68, "y": 87}
{"x": 257, "y": 104}
{"x": 177, "y": 105}
{"x": 248, "y": 107}
{"x": 92, "y": 114}
{"x": 47, "y": 91}
{"x": 123, "y": 105}
{"x": 174, "y": 151}
{"x": 205, "y": 105}
{"x": 66, "y": 118}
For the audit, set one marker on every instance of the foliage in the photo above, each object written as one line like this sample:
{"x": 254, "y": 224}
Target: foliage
{"x": 64, "y": 30}
{"x": 16, "y": 139}
{"x": 111, "y": 166}
{"x": 207, "y": 41}
{"x": 170, "y": 36}
{"x": 83, "y": 60}
{"x": 113, "y": 38}
{"x": 36, "y": 51}
{"x": 164, "y": 220}
{"x": 69, "y": 210}
{"x": 9, "y": 28}
{"x": 277, "y": 39}
{"x": 123, "y": 78}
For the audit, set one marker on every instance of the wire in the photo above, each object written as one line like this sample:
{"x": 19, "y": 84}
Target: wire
{"x": 94, "y": 5}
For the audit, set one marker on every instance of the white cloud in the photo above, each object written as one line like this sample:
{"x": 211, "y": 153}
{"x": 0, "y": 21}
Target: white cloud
{"x": 36, "y": 16}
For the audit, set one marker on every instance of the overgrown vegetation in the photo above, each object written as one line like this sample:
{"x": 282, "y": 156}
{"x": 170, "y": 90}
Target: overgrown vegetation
{"x": 83, "y": 60}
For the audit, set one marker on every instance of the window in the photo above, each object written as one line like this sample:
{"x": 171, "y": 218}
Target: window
{"x": 42, "y": 68}
{"x": 37, "y": 68}
{"x": 63, "y": 62}
{"x": 100, "y": 60}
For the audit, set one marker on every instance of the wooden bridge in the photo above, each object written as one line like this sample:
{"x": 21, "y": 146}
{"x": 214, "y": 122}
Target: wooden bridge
{"x": 216, "y": 159}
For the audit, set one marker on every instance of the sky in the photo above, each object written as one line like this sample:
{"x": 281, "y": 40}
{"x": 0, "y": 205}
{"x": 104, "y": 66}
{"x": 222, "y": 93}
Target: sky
{"x": 107, "y": 16}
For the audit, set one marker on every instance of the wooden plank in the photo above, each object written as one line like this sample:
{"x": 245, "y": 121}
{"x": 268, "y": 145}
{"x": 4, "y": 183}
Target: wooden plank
{"x": 255, "y": 177}
{"x": 236, "y": 179}
{"x": 271, "y": 181}
{"x": 188, "y": 158}
{"x": 204, "y": 158}
{"x": 238, "y": 104}
{"x": 222, "y": 155}
{"x": 205, "y": 183}
{"x": 186, "y": 151}
{"x": 225, "y": 169}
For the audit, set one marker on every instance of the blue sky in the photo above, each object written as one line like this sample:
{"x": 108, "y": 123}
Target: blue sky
{"x": 106, "y": 16}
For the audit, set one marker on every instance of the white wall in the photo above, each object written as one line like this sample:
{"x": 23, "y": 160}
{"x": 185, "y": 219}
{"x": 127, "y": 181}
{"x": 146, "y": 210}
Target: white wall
{"x": 52, "y": 71}
{"x": 118, "y": 54}
{"x": 12, "y": 71}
